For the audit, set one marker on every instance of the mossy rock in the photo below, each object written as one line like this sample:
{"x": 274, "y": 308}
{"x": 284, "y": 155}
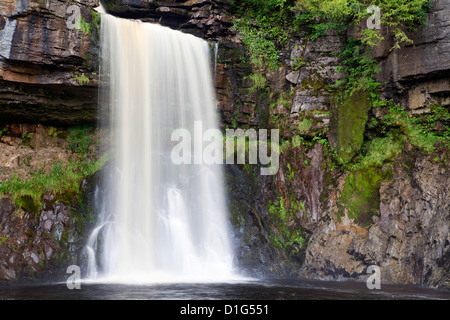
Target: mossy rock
{"x": 284, "y": 234}
{"x": 115, "y": 6}
{"x": 351, "y": 118}
{"x": 361, "y": 194}
{"x": 28, "y": 204}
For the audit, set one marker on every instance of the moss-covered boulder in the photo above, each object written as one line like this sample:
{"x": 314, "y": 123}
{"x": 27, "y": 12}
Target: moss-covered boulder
{"x": 350, "y": 120}
{"x": 360, "y": 198}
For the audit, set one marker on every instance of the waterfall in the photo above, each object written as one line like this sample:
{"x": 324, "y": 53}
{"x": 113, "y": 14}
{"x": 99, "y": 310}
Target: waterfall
{"x": 159, "y": 221}
{"x": 216, "y": 54}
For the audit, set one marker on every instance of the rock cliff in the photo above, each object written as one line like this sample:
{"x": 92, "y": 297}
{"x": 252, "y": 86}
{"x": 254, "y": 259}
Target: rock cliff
{"x": 300, "y": 222}
{"x": 408, "y": 237}
{"x": 48, "y": 71}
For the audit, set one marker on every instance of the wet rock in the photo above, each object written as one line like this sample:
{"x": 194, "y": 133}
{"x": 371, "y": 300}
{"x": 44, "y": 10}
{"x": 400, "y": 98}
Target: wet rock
{"x": 6, "y": 208}
{"x": 410, "y": 71}
{"x": 41, "y": 244}
{"x": 408, "y": 240}
{"x": 204, "y": 18}
{"x": 41, "y": 58}
{"x": 256, "y": 255}
{"x": 293, "y": 77}
{"x": 349, "y": 123}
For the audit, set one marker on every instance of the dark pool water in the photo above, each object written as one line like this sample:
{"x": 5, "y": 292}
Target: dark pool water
{"x": 249, "y": 290}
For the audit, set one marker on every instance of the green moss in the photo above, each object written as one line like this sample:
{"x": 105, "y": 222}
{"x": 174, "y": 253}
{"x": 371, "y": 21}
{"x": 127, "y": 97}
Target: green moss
{"x": 305, "y": 125}
{"x": 380, "y": 150}
{"x": 360, "y": 197}
{"x": 3, "y": 240}
{"x": 83, "y": 26}
{"x": 27, "y": 203}
{"x": 288, "y": 236}
{"x": 96, "y": 19}
{"x": 351, "y": 124}
{"x": 315, "y": 83}
{"x": 63, "y": 181}
{"x": 82, "y": 80}
{"x": 116, "y": 5}
{"x": 283, "y": 99}
{"x": 419, "y": 135}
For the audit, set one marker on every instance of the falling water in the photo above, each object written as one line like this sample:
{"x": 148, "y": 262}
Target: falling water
{"x": 159, "y": 221}
{"x": 216, "y": 54}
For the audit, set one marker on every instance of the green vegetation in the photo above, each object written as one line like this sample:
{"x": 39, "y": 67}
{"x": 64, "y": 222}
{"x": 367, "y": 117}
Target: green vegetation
{"x": 305, "y": 125}
{"x": 63, "y": 180}
{"x": 258, "y": 82}
{"x": 351, "y": 124}
{"x": 80, "y": 139}
{"x": 360, "y": 198}
{"x": 26, "y": 140}
{"x": 264, "y": 27}
{"x": 289, "y": 237}
{"x": 260, "y": 49}
{"x": 398, "y": 16}
{"x": 419, "y": 134}
{"x": 83, "y": 26}
{"x": 378, "y": 151}
{"x": 82, "y": 80}
{"x": 360, "y": 69}
{"x": 3, "y": 240}
{"x": 96, "y": 19}
{"x": 366, "y": 146}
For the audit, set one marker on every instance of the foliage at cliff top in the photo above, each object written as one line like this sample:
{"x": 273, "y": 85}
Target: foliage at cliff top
{"x": 399, "y": 16}
{"x": 265, "y": 25}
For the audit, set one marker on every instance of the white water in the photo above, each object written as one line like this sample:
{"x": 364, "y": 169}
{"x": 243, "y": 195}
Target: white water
{"x": 159, "y": 222}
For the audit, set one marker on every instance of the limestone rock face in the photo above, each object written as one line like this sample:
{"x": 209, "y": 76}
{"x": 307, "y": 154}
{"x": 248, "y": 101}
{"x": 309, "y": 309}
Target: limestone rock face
{"x": 40, "y": 238}
{"x": 418, "y": 74}
{"x": 49, "y": 72}
{"x": 39, "y": 244}
{"x": 409, "y": 239}
{"x": 316, "y": 73}
{"x": 204, "y": 18}
{"x": 49, "y": 75}
{"x": 48, "y": 67}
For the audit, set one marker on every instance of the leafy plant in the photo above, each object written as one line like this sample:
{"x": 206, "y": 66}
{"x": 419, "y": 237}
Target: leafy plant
{"x": 264, "y": 26}
{"x": 418, "y": 134}
{"x": 63, "y": 180}
{"x": 288, "y": 238}
{"x": 360, "y": 67}
{"x": 80, "y": 139}
{"x": 26, "y": 140}
{"x": 399, "y": 16}
{"x": 258, "y": 82}
{"x": 305, "y": 125}
{"x": 82, "y": 80}
{"x": 82, "y": 25}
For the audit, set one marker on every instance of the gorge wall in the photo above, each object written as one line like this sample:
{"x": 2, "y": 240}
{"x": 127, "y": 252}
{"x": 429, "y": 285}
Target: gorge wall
{"x": 301, "y": 222}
